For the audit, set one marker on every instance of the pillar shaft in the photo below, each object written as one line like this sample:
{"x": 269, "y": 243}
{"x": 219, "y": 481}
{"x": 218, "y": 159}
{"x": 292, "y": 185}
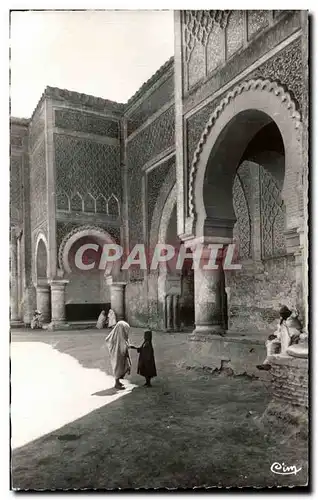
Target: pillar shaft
{"x": 58, "y": 302}
{"x": 117, "y": 300}
{"x": 14, "y": 305}
{"x": 169, "y": 313}
{"x": 175, "y": 301}
{"x": 43, "y": 301}
{"x": 208, "y": 300}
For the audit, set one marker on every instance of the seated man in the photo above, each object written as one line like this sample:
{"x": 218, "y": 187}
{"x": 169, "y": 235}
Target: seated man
{"x": 287, "y": 333}
{"x": 36, "y": 322}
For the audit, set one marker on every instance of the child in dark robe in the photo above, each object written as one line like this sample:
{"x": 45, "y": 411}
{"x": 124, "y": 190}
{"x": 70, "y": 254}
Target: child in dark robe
{"x": 146, "y": 361}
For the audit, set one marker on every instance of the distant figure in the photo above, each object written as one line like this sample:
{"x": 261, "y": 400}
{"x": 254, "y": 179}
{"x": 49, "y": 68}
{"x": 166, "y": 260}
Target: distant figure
{"x": 36, "y": 322}
{"x": 111, "y": 318}
{"x": 101, "y": 322}
{"x": 287, "y": 333}
{"x": 146, "y": 361}
{"x": 118, "y": 345}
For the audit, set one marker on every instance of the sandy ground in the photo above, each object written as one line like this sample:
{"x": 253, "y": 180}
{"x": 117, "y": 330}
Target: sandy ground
{"x": 51, "y": 389}
{"x": 192, "y": 429}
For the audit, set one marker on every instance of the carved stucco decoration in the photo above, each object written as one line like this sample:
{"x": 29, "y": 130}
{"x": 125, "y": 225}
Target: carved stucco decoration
{"x": 252, "y": 85}
{"x": 78, "y": 232}
{"x": 198, "y": 25}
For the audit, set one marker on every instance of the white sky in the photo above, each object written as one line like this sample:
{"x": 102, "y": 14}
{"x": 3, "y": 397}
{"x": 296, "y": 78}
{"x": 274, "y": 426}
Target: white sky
{"x": 108, "y": 54}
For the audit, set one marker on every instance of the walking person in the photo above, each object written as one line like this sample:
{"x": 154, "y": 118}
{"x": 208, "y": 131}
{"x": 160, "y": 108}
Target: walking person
{"x": 118, "y": 345}
{"x": 146, "y": 361}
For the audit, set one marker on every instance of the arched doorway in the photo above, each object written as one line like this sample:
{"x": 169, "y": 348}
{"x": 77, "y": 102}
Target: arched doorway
{"x": 243, "y": 187}
{"x": 87, "y": 292}
{"x": 43, "y": 291}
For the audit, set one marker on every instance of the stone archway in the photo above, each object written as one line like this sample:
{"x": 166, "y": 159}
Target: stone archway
{"x": 240, "y": 117}
{"x": 87, "y": 291}
{"x": 252, "y": 104}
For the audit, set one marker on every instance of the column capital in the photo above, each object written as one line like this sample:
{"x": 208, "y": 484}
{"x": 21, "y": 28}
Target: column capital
{"x": 119, "y": 284}
{"x": 42, "y": 283}
{"x": 43, "y": 288}
{"x": 58, "y": 283}
{"x": 207, "y": 240}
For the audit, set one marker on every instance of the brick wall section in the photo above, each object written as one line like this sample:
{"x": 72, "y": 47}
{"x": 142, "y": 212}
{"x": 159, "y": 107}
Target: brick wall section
{"x": 257, "y": 291}
{"x": 290, "y": 380}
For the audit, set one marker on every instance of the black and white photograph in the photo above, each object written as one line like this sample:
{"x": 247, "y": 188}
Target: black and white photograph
{"x": 159, "y": 249}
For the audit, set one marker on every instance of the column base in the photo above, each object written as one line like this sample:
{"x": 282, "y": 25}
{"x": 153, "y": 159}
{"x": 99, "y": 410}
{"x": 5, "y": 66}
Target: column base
{"x": 57, "y": 325}
{"x": 17, "y": 323}
{"x": 209, "y": 329}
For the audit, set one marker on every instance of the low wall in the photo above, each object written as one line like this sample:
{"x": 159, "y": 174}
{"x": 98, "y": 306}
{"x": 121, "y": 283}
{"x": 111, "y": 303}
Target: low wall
{"x": 288, "y": 409}
{"x": 290, "y": 379}
{"x": 235, "y": 354}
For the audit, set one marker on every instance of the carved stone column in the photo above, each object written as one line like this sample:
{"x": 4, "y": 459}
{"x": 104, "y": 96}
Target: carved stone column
{"x": 14, "y": 305}
{"x": 175, "y": 306}
{"x": 43, "y": 301}
{"x": 208, "y": 301}
{"x": 58, "y": 304}
{"x": 117, "y": 299}
{"x": 29, "y": 304}
{"x": 169, "y": 313}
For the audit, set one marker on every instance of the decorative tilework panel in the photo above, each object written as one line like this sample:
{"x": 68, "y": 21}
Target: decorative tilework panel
{"x": 285, "y": 68}
{"x": 38, "y": 189}
{"x": 257, "y": 20}
{"x": 215, "y": 49}
{"x": 272, "y": 216}
{"x": 86, "y": 122}
{"x": 152, "y": 140}
{"x": 16, "y": 195}
{"x": 234, "y": 32}
{"x": 85, "y": 167}
{"x": 155, "y": 180}
{"x": 242, "y": 228}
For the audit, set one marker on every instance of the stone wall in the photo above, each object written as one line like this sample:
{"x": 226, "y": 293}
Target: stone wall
{"x": 87, "y": 288}
{"x": 257, "y": 291}
{"x": 136, "y": 303}
{"x": 290, "y": 380}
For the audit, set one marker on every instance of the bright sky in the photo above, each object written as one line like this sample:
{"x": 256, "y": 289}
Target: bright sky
{"x": 108, "y": 54}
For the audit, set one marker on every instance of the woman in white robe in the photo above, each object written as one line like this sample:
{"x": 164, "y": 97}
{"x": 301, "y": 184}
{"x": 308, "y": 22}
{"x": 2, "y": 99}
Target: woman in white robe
{"x": 101, "y": 322}
{"x": 111, "y": 319}
{"x": 118, "y": 346}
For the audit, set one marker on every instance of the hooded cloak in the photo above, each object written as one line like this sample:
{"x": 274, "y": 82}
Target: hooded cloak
{"x": 118, "y": 345}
